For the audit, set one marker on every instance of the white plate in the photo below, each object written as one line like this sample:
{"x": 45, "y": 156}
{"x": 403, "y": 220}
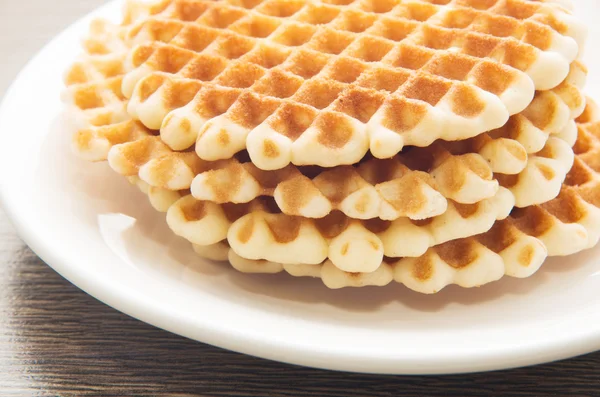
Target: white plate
{"x": 101, "y": 234}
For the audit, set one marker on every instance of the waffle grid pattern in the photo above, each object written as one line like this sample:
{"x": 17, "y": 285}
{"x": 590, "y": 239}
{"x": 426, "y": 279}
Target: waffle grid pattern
{"x": 97, "y": 104}
{"x": 284, "y": 79}
{"x": 516, "y": 246}
{"x": 317, "y": 83}
{"x": 433, "y": 172}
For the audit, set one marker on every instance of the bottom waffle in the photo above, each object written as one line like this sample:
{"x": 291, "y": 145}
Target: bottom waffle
{"x": 516, "y": 246}
{"x": 256, "y": 231}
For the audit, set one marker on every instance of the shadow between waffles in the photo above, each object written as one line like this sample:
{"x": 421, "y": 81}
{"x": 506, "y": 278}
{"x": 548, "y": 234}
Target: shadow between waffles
{"x": 103, "y": 198}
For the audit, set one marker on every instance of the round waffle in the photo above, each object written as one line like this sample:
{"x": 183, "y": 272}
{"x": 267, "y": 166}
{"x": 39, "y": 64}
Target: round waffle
{"x": 428, "y": 179}
{"x": 425, "y": 142}
{"x": 516, "y": 246}
{"x": 463, "y": 171}
{"x": 314, "y": 83}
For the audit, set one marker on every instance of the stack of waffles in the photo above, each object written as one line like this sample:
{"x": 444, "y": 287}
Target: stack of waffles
{"x": 427, "y": 142}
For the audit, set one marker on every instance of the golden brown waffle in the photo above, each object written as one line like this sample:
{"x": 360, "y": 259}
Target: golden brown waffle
{"x": 573, "y": 216}
{"x": 94, "y": 95}
{"x": 94, "y": 89}
{"x": 543, "y": 176}
{"x": 425, "y": 178}
{"x": 385, "y": 189}
{"x": 256, "y": 233}
{"x": 425, "y": 254}
{"x": 440, "y": 265}
{"x": 466, "y": 263}
{"x": 320, "y": 83}
{"x": 550, "y": 113}
{"x": 96, "y": 103}
{"x": 104, "y": 38}
{"x": 516, "y": 246}
{"x": 461, "y": 171}
{"x": 567, "y": 224}
{"x": 571, "y": 223}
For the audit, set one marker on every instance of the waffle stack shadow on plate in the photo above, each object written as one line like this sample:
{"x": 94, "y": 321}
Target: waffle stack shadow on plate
{"x": 426, "y": 142}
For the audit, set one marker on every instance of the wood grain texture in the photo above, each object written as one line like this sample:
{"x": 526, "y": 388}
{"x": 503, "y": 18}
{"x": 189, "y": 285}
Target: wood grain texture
{"x": 57, "y": 341}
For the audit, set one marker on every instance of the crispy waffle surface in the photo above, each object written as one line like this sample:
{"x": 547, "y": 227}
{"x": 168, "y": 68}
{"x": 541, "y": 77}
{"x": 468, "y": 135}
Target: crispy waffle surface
{"x": 206, "y": 222}
{"x": 322, "y": 83}
{"x": 97, "y": 106}
{"x": 430, "y": 179}
{"x": 516, "y": 246}
{"x": 533, "y": 148}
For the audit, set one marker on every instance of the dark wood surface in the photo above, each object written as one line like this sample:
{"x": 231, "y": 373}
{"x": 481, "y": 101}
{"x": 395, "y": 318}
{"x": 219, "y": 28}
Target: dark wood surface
{"x": 57, "y": 341}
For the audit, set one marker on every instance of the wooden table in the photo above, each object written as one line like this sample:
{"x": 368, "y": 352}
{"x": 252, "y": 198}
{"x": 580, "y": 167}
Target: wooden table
{"x": 57, "y": 341}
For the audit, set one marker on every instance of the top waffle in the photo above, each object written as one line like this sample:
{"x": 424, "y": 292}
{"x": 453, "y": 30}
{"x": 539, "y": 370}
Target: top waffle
{"x": 322, "y": 83}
